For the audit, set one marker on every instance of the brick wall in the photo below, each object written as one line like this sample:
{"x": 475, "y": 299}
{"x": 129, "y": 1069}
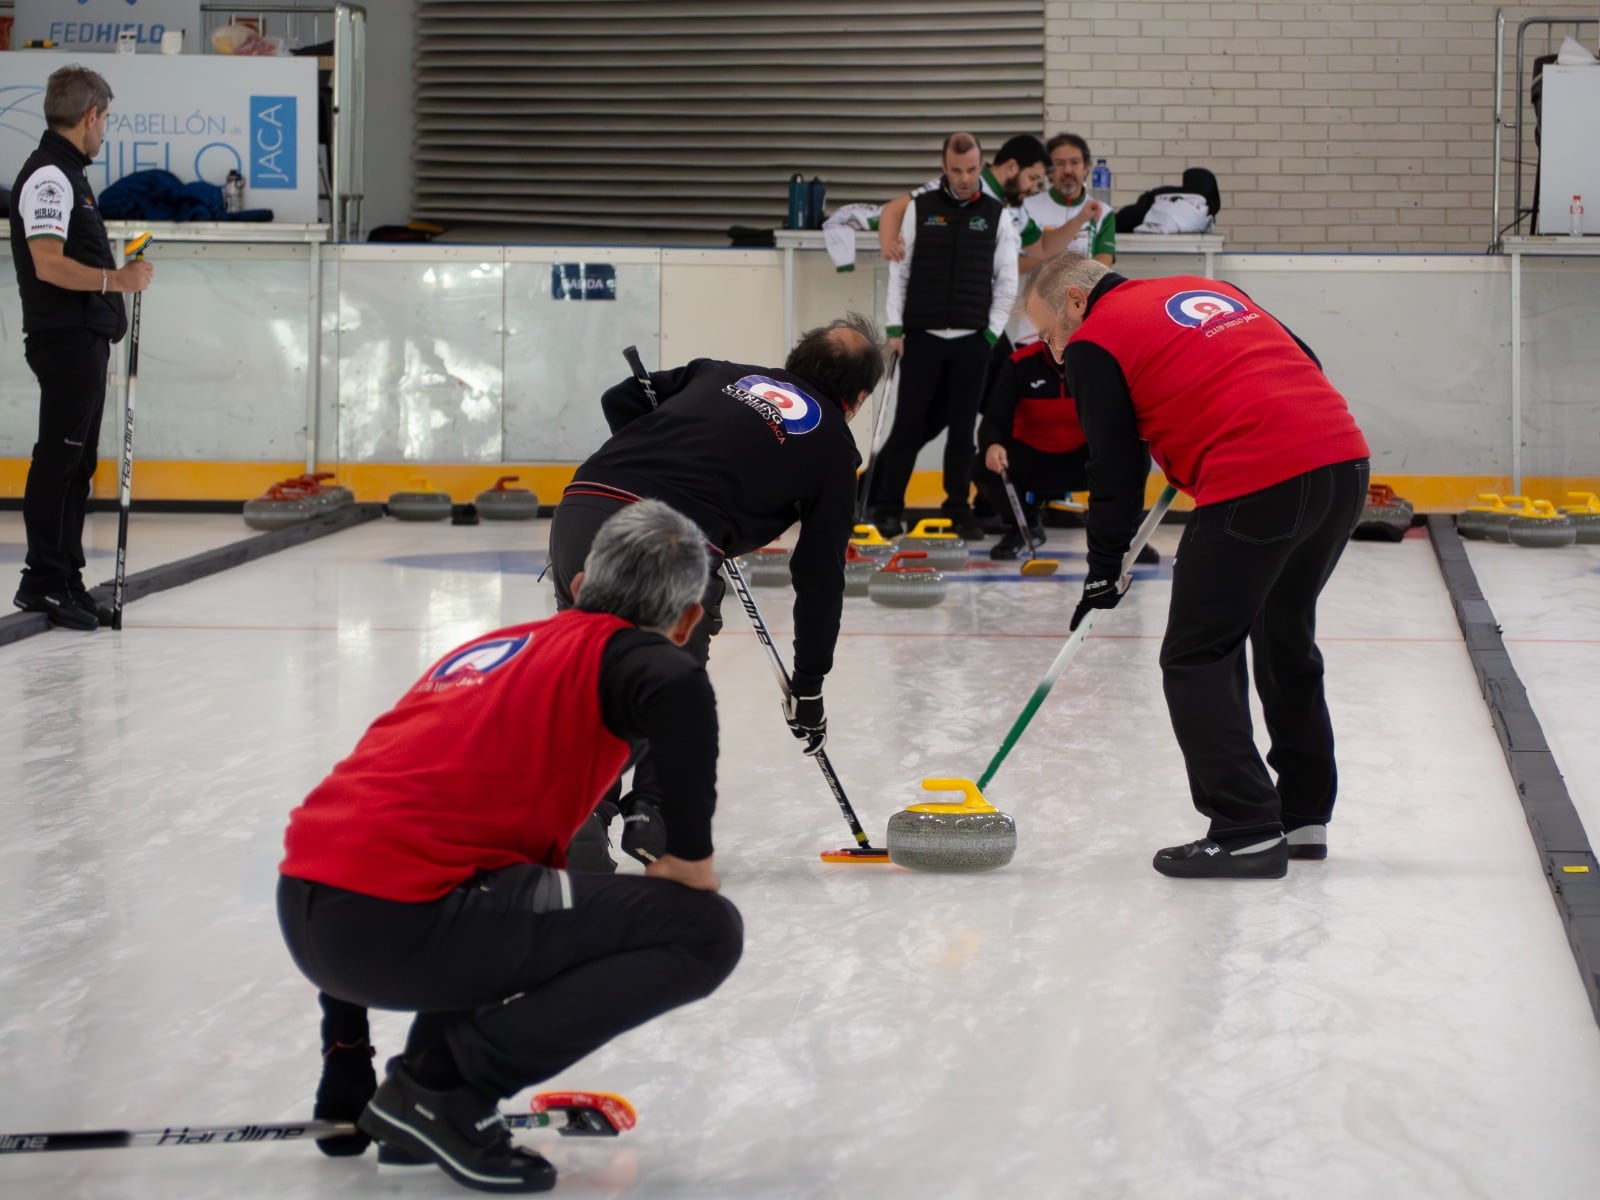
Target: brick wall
{"x": 1362, "y": 126}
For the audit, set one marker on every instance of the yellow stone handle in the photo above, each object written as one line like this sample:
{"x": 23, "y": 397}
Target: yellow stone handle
{"x": 972, "y": 799}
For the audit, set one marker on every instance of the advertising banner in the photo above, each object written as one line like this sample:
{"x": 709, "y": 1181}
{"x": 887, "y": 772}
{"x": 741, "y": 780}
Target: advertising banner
{"x": 95, "y": 25}
{"x": 197, "y": 116}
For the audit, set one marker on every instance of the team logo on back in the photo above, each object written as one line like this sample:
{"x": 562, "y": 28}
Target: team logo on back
{"x": 1194, "y": 309}
{"x": 799, "y": 412}
{"x": 469, "y": 666}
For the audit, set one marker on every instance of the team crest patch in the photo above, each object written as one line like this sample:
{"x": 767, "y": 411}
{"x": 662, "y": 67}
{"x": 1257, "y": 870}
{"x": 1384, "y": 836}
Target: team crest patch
{"x": 1195, "y": 309}
{"x": 794, "y": 409}
{"x": 469, "y": 666}
{"x": 978, "y": 224}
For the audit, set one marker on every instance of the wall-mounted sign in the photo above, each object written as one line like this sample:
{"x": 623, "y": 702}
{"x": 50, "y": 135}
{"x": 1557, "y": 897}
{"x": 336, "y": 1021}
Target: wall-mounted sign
{"x": 199, "y": 117}
{"x": 583, "y": 281}
{"x": 96, "y": 25}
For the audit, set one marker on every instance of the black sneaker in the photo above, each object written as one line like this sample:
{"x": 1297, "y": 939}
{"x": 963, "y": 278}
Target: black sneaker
{"x": 346, "y": 1085}
{"x": 60, "y": 607}
{"x": 889, "y": 525}
{"x": 1263, "y": 857}
{"x": 1308, "y": 841}
{"x": 461, "y": 1130}
{"x": 1148, "y": 554}
{"x": 88, "y": 603}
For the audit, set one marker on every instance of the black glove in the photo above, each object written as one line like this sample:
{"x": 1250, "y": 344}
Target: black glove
{"x": 589, "y": 852}
{"x": 644, "y": 833}
{"x": 803, "y": 710}
{"x": 1098, "y": 592}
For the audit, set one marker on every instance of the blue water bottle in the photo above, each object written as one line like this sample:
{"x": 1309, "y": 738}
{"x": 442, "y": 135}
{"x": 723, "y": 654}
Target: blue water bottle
{"x": 816, "y": 195}
{"x": 1100, "y": 182}
{"x": 799, "y": 195}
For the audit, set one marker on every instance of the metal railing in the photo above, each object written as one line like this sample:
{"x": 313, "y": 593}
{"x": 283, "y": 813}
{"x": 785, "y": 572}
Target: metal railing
{"x": 345, "y": 26}
{"x": 1567, "y": 26}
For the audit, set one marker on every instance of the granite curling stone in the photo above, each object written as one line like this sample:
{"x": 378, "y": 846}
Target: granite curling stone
{"x": 422, "y": 504}
{"x": 1497, "y": 525}
{"x": 858, "y": 571}
{"x": 1474, "y": 521}
{"x": 1385, "y": 516}
{"x": 1584, "y": 513}
{"x": 502, "y": 503}
{"x": 1542, "y": 528}
{"x": 935, "y": 537}
{"x": 869, "y": 543}
{"x": 900, "y": 586}
{"x": 767, "y": 567}
{"x": 332, "y": 495}
{"x": 281, "y": 505}
{"x": 965, "y": 836}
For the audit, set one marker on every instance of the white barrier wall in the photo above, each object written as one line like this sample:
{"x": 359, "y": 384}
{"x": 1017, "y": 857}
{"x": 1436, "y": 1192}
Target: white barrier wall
{"x": 460, "y": 354}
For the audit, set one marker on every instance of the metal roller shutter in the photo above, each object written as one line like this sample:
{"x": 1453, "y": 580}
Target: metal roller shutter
{"x": 648, "y": 115}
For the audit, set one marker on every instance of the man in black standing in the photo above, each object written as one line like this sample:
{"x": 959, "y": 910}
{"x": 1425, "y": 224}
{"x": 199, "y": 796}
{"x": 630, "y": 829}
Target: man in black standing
{"x": 72, "y": 312}
{"x": 948, "y": 303}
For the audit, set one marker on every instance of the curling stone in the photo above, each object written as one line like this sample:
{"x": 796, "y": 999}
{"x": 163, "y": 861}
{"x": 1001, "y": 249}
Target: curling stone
{"x": 502, "y": 503}
{"x": 1385, "y": 517}
{"x": 869, "y": 543}
{"x": 767, "y": 567}
{"x": 423, "y": 504}
{"x": 971, "y": 835}
{"x": 1473, "y": 521}
{"x": 1542, "y": 527}
{"x": 332, "y": 495}
{"x": 936, "y": 537}
{"x": 1584, "y": 513}
{"x": 281, "y": 505}
{"x": 858, "y": 571}
{"x": 900, "y": 586}
{"x": 1497, "y": 526}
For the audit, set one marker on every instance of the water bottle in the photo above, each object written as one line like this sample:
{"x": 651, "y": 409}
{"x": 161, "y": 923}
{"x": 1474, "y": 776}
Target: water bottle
{"x": 1575, "y": 218}
{"x": 1100, "y": 182}
{"x": 816, "y": 194}
{"x": 233, "y": 193}
{"x": 799, "y": 194}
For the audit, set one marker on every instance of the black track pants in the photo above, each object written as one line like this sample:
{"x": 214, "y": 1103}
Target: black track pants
{"x": 70, "y": 365}
{"x": 522, "y": 971}
{"x": 1048, "y": 475}
{"x": 941, "y": 382}
{"x": 1252, "y": 568}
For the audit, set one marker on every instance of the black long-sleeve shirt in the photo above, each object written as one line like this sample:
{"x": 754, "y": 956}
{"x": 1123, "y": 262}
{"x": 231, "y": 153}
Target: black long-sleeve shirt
{"x": 652, "y": 691}
{"x": 744, "y": 452}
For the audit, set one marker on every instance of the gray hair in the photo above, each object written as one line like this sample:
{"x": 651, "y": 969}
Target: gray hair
{"x": 647, "y": 565}
{"x": 72, "y": 91}
{"x": 1069, "y": 269}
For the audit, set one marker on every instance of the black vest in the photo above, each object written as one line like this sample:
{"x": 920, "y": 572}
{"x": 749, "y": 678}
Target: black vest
{"x": 952, "y": 262}
{"x": 45, "y": 306}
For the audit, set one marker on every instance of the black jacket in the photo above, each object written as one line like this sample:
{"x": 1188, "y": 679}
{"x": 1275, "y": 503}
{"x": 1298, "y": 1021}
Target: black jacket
{"x": 722, "y": 451}
{"x": 45, "y": 306}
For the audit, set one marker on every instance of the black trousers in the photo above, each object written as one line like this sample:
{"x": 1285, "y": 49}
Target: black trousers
{"x": 572, "y": 532}
{"x": 70, "y": 365}
{"x": 941, "y": 383}
{"x": 1252, "y": 568}
{"x": 1049, "y": 475}
{"x": 521, "y": 971}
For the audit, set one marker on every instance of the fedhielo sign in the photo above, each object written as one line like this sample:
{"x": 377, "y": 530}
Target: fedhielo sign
{"x": 95, "y": 25}
{"x": 198, "y": 116}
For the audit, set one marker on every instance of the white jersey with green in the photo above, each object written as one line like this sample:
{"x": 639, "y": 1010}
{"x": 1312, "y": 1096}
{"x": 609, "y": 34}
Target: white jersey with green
{"x": 1051, "y": 210}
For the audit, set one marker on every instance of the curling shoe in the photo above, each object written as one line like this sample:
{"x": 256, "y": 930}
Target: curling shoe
{"x": 59, "y": 607}
{"x": 460, "y": 1129}
{"x": 346, "y": 1085}
{"x": 1261, "y": 856}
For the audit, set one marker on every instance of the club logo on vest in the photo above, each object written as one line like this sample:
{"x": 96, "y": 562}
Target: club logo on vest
{"x": 798, "y": 411}
{"x": 1194, "y": 309}
{"x": 978, "y": 225}
{"x": 469, "y": 666}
